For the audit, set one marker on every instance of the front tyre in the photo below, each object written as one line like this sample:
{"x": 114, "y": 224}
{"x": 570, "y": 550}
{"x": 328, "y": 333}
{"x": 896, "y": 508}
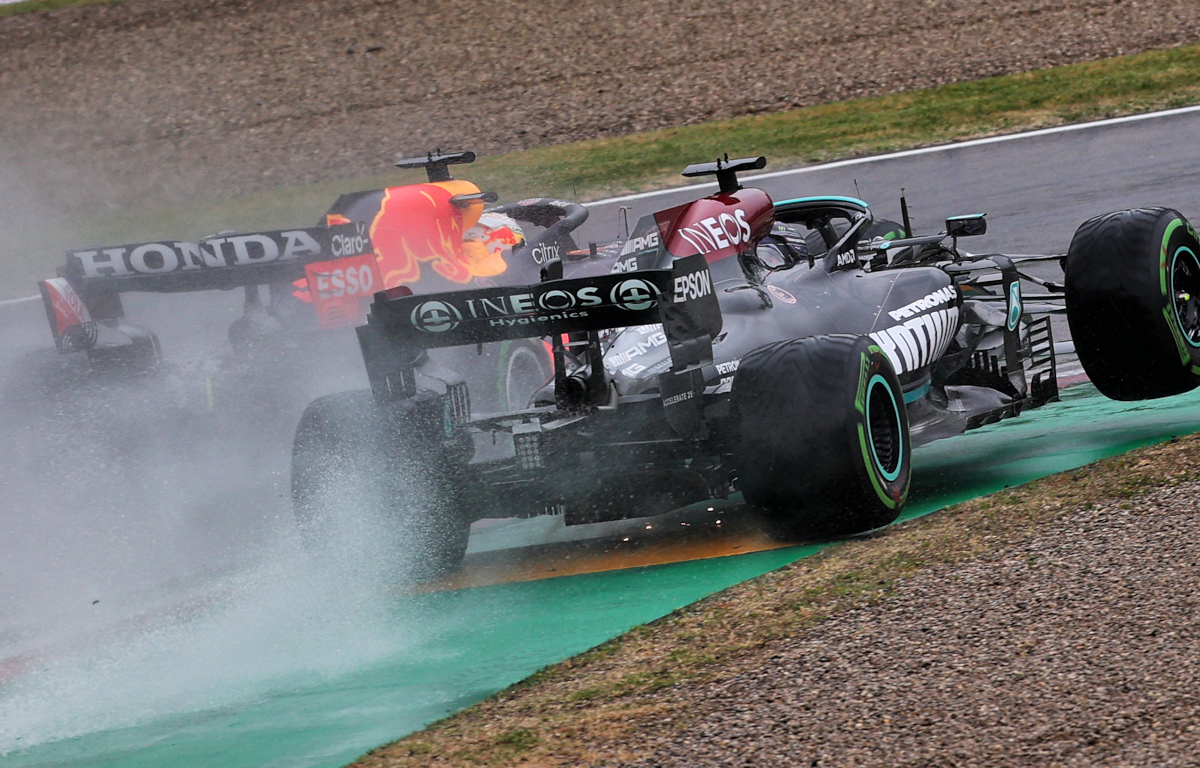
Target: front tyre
{"x": 1133, "y": 302}
{"x": 824, "y": 446}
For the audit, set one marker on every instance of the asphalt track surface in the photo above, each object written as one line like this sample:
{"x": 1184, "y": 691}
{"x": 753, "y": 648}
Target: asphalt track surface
{"x": 216, "y": 640}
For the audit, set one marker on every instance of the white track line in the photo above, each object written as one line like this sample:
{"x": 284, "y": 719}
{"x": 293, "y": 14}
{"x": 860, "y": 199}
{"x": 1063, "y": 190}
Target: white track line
{"x": 917, "y": 152}
{"x": 873, "y": 159}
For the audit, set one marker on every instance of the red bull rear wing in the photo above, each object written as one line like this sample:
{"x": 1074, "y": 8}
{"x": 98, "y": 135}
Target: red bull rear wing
{"x": 338, "y": 261}
{"x": 226, "y": 261}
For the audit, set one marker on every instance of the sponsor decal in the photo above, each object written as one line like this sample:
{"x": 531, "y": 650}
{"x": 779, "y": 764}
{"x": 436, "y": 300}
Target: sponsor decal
{"x": 337, "y": 288}
{"x": 721, "y": 387}
{"x": 656, "y": 339}
{"x": 436, "y": 316}
{"x": 519, "y": 309}
{"x": 919, "y": 341}
{"x": 781, "y": 294}
{"x": 935, "y": 299}
{"x": 544, "y": 253}
{"x": 846, "y": 258}
{"x": 628, "y": 265}
{"x": 693, "y": 286}
{"x": 681, "y": 397}
{"x": 527, "y": 319}
{"x": 551, "y": 301}
{"x": 214, "y": 253}
{"x": 232, "y": 251}
{"x": 729, "y": 367}
{"x": 350, "y": 245}
{"x": 717, "y": 232}
{"x": 633, "y": 294}
{"x": 331, "y": 280}
{"x": 633, "y": 370}
{"x": 1015, "y": 308}
{"x": 638, "y": 244}
{"x": 557, "y": 300}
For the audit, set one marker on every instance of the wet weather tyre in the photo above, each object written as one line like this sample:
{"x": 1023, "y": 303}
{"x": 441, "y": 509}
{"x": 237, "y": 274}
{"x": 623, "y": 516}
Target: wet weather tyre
{"x": 364, "y": 474}
{"x": 506, "y": 375}
{"x": 824, "y": 446}
{"x": 1133, "y": 302}
{"x": 524, "y": 368}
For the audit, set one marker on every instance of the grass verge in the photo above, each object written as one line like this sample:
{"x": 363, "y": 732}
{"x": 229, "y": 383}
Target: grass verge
{"x": 587, "y": 710}
{"x": 593, "y": 169}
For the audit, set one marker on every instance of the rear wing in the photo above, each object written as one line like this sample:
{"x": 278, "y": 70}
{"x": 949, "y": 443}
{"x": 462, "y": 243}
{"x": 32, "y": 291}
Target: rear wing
{"x": 400, "y": 326}
{"x": 227, "y": 261}
{"x": 89, "y": 285}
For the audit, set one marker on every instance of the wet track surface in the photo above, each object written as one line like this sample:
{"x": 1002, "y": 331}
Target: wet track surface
{"x": 156, "y": 607}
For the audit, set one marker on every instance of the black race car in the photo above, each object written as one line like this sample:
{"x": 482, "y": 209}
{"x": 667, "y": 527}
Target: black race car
{"x": 299, "y": 284}
{"x": 795, "y": 351}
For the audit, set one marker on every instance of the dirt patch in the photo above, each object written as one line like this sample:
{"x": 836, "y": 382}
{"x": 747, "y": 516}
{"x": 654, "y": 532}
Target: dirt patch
{"x": 111, "y": 106}
{"x": 1053, "y": 623}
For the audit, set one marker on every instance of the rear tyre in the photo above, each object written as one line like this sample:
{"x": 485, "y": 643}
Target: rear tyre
{"x": 1133, "y": 302}
{"x": 361, "y": 472}
{"x": 525, "y": 367}
{"x": 505, "y": 376}
{"x": 824, "y": 447}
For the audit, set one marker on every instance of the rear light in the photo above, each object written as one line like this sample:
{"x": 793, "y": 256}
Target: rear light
{"x": 527, "y": 440}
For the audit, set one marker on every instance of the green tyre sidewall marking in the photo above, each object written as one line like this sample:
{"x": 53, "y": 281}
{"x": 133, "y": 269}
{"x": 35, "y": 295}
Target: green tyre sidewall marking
{"x": 877, "y": 379}
{"x": 502, "y": 373}
{"x": 874, "y": 471}
{"x": 1166, "y": 281}
{"x": 1171, "y": 294}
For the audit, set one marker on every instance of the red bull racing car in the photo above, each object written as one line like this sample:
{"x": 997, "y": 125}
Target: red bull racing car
{"x": 794, "y": 351}
{"x": 431, "y": 237}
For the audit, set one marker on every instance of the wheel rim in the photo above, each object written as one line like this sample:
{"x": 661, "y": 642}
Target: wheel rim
{"x": 884, "y": 432}
{"x": 523, "y": 375}
{"x": 1185, "y": 293}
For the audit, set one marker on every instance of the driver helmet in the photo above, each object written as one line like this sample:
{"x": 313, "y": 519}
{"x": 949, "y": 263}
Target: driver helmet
{"x": 787, "y": 241}
{"x": 489, "y": 243}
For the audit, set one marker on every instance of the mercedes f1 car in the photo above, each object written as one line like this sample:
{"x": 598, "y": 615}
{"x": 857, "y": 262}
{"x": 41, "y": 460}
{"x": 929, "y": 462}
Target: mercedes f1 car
{"x": 430, "y": 237}
{"x": 794, "y": 351}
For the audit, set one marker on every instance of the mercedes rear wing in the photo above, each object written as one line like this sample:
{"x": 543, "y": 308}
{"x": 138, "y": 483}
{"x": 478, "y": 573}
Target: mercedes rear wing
{"x": 401, "y": 327}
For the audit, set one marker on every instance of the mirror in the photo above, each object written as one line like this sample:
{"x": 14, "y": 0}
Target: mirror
{"x": 967, "y": 226}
